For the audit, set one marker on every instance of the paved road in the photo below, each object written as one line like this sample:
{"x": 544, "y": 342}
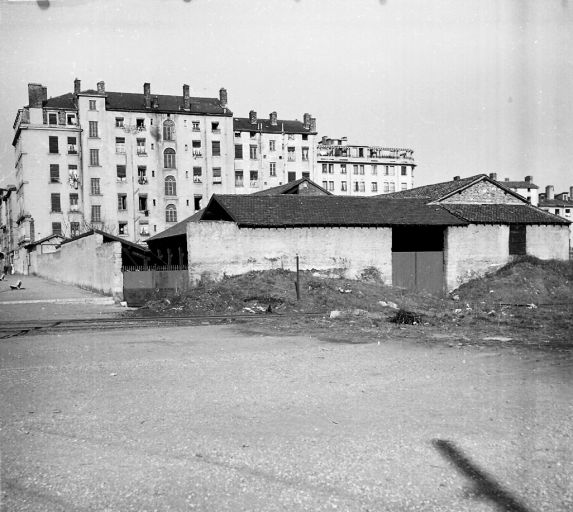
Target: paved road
{"x": 206, "y": 418}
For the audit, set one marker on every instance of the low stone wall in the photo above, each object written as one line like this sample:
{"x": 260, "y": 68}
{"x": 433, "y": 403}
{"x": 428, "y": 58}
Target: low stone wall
{"x": 87, "y": 262}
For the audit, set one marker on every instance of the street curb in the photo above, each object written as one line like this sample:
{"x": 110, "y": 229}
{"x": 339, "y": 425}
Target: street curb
{"x": 103, "y": 301}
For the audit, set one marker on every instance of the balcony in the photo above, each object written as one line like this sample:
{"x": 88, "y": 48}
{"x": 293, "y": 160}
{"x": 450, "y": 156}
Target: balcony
{"x": 197, "y": 179}
{"x": 142, "y": 181}
{"x": 216, "y": 131}
{"x": 217, "y": 179}
{"x": 197, "y": 153}
{"x": 72, "y": 149}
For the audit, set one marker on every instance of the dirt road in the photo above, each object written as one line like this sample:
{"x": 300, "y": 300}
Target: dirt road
{"x": 207, "y": 418}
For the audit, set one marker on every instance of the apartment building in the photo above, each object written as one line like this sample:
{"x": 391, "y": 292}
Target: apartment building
{"x": 271, "y": 152}
{"x": 525, "y": 188}
{"x": 356, "y": 170}
{"x": 131, "y": 164}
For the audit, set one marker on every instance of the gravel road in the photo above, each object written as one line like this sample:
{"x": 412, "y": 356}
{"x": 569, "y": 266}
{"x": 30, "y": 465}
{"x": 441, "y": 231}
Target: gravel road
{"x": 208, "y": 418}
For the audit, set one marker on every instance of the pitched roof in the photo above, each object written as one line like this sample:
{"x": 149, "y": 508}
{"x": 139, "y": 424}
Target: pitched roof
{"x": 551, "y": 203}
{"x": 289, "y": 188}
{"x": 243, "y": 124}
{"x": 518, "y": 184}
{"x": 45, "y": 239}
{"x": 502, "y": 214}
{"x": 106, "y": 238}
{"x": 127, "y": 101}
{"x": 179, "y": 229}
{"x": 436, "y": 190}
{"x": 304, "y": 211}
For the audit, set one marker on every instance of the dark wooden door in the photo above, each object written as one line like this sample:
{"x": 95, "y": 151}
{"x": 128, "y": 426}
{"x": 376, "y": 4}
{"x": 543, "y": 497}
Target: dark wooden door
{"x": 420, "y": 271}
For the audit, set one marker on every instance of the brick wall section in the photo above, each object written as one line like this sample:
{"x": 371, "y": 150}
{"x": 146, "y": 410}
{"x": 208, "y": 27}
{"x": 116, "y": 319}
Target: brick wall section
{"x": 87, "y": 263}
{"x": 483, "y": 192}
{"x": 218, "y": 248}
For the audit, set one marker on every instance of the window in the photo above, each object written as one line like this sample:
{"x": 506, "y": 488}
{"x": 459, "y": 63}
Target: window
{"x": 92, "y": 104}
{"x": 517, "y": 239}
{"x": 557, "y": 211}
{"x": 56, "y": 206}
{"x": 94, "y": 157}
{"x": 342, "y": 168}
{"x": 120, "y": 145}
{"x": 304, "y": 136}
{"x": 404, "y": 171}
{"x": 121, "y": 172}
{"x": 374, "y": 169}
{"x": 325, "y": 184}
{"x": 170, "y": 186}
{"x": 141, "y": 147}
{"x": 239, "y": 151}
{"x": 122, "y": 201}
{"x": 254, "y": 176}
{"x": 355, "y": 186}
{"x": 252, "y": 135}
{"x": 386, "y": 170}
{"x": 361, "y": 187}
{"x": 374, "y": 186}
{"x": 386, "y": 187}
{"x": 171, "y": 213}
{"x": 96, "y": 213}
{"x": 140, "y": 124}
{"x": 361, "y": 169}
{"x": 74, "y": 229}
{"x": 197, "y": 202}
{"x": 403, "y": 186}
{"x": 237, "y": 135}
{"x": 217, "y": 175}
{"x": 143, "y": 229}
{"x": 56, "y": 228}
{"x": 291, "y": 157}
{"x": 71, "y": 119}
{"x": 142, "y": 174}
{"x": 93, "y": 131}
{"x": 122, "y": 228}
{"x": 142, "y": 203}
{"x": 355, "y": 169}
{"x": 94, "y": 187}
{"x": 343, "y": 186}
{"x": 305, "y": 154}
{"x": 52, "y": 118}
{"x": 169, "y": 158}
{"x": 216, "y": 148}
{"x": 53, "y": 145}
{"x": 197, "y": 174}
{"x": 195, "y": 126}
{"x": 291, "y": 136}
{"x": 324, "y": 168}
{"x": 74, "y": 198}
{"x": 215, "y": 127}
{"x": 391, "y": 170}
{"x": 253, "y": 152}
{"x": 238, "y": 178}
{"x": 119, "y": 122}
{"x": 72, "y": 146}
{"x": 273, "y": 168}
{"x": 306, "y": 174}
{"x": 360, "y": 152}
{"x": 392, "y": 187}
{"x": 54, "y": 173}
{"x": 272, "y": 145}
{"x": 168, "y": 130}
{"x": 331, "y": 185}
{"x": 330, "y": 168}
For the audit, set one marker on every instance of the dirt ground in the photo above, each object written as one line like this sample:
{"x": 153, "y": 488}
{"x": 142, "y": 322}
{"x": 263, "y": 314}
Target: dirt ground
{"x": 226, "y": 418}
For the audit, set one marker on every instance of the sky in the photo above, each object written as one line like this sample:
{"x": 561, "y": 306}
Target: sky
{"x": 472, "y": 86}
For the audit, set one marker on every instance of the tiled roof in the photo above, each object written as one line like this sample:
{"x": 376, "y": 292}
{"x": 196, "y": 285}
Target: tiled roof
{"x": 435, "y": 191}
{"x": 288, "y": 188}
{"x": 518, "y": 184}
{"x": 106, "y": 238}
{"x": 45, "y": 239}
{"x": 243, "y": 124}
{"x": 178, "y": 229}
{"x": 304, "y": 211}
{"x": 503, "y": 214}
{"x": 126, "y": 101}
{"x": 552, "y": 203}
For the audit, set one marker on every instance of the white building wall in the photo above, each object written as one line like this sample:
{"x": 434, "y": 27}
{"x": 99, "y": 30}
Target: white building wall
{"x": 220, "y": 248}
{"x": 548, "y": 242}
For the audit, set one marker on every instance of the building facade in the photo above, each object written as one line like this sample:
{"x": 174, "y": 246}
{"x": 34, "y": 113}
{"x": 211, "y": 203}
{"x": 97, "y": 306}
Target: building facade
{"x": 353, "y": 170}
{"x": 129, "y": 164}
{"x": 272, "y": 152}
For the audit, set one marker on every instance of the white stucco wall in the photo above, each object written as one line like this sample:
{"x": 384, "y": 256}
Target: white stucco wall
{"x": 548, "y": 242}
{"x": 86, "y": 262}
{"x": 217, "y": 248}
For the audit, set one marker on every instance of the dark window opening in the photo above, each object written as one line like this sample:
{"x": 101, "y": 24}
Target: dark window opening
{"x": 417, "y": 238}
{"x": 517, "y": 239}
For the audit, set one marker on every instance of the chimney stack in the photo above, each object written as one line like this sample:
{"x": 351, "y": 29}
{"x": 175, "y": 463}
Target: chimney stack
{"x": 570, "y": 193}
{"x": 223, "y": 97}
{"x": 493, "y": 176}
{"x": 549, "y": 192}
{"x": 155, "y": 102}
{"x": 101, "y": 87}
{"x": 37, "y": 94}
{"x": 273, "y": 118}
{"x": 186, "y": 98}
{"x": 77, "y": 86}
{"x": 529, "y": 179}
{"x": 313, "y": 124}
{"x": 306, "y": 120}
{"x": 252, "y": 117}
{"x": 456, "y": 178}
{"x": 147, "y": 94}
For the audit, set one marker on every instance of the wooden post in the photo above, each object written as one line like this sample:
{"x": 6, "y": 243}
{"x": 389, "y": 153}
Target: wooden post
{"x": 297, "y": 282}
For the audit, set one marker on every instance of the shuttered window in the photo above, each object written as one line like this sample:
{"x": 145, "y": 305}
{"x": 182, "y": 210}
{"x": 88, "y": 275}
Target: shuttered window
{"x": 53, "y": 144}
{"x": 94, "y": 157}
{"x": 517, "y": 239}
{"x": 56, "y": 228}
{"x": 93, "y": 129}
{"x": 96, "y": 213}
{"x": 56, "y": 205}
{"x": 216, "y": 147}
{"x": 54, "y": 173}
{"x": 239, "y": 151}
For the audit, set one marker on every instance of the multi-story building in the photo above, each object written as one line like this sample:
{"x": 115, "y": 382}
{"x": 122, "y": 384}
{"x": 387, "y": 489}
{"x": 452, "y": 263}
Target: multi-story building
{"x": 130, "y": 164}
{"x": 271, "y": 152}
{"x": 354, "y": 170}
{"x": 525, "y": 188}
{"x": 7, "y": 225}
{"x": 558, "y": 204}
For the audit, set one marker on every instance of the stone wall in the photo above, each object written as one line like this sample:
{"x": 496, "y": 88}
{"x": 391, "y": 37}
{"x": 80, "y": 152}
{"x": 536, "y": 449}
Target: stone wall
{"x": 218, "y": 248}
{"x": 483, "y": 192}
{"x": 87, "y": 262}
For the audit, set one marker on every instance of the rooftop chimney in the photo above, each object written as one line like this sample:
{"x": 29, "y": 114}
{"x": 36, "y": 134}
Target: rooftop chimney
{"x": 155, "y": 102}
{"x": 549, "y": 192}
{"x": 101, "y": 87}
{"x": 306, "y": 120}
{"x": 313, "y": 124}
{"x": 273, "y": 118}
{"x": 147, "y": 94}
{"x": 570, "y": 193}
{"x": 252, "y": 117}
{"x": 493, "y": 176}
{"x": 223, "y": 97}
{"x": 77, "y": 86}
{"x": 456, "y": 178}
{"x": 529, "y": 179}
{"x": 186, "y": 99}
{"x": 37, "y": 94}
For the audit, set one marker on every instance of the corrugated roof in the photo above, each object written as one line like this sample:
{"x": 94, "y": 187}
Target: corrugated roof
{"x": 435, "y": 191}
{"x": 178, "y": 229}
{"x": 300, "y": 210}
{"x": 243, "y": 124}
{"x": 288, "y": 188}
{"x": 503, "y": 214}
{"x": 518, "y": 184}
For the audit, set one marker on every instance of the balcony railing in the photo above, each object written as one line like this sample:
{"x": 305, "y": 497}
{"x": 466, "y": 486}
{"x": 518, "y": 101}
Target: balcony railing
{"x": 197, "y": 179}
